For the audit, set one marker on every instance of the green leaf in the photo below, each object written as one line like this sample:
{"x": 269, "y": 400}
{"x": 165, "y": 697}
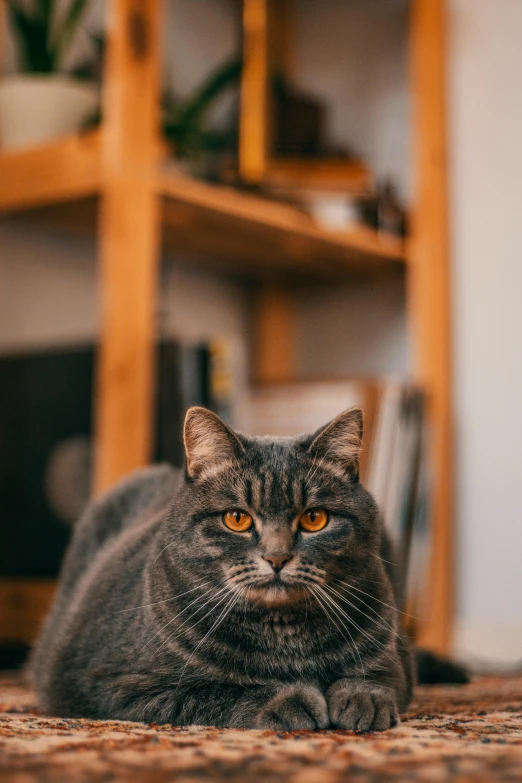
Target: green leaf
{"x": 46, "y": 10}
{"x": 229, "y": 73}
{"x": 31, "y": 34}
{"x": 183, "y": 124}
{"x": 69, "y": 26}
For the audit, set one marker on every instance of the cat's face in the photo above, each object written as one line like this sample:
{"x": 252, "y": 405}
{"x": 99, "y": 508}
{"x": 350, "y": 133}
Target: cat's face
{"x": 276, "y": 518}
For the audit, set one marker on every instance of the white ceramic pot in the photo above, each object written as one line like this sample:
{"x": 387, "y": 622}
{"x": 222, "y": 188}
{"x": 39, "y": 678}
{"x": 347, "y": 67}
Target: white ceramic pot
{"x": 35, "y": 108}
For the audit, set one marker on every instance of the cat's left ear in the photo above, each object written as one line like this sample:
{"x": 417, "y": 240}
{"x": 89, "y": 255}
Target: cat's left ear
{"x": 209, "y": 442}
{"x": 340, "y": 441}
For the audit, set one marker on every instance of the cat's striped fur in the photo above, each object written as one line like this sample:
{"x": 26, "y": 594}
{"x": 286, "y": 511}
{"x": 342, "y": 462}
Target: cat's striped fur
{"x": 165, "y": 615}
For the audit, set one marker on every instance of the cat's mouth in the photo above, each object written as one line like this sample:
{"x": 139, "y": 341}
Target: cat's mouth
{"x": 276, "y": 592}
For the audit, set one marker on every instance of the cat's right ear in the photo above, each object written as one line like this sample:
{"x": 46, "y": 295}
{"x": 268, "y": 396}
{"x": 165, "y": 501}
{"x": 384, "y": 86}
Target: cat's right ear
{"x": 209, "y": 443}
{"x": 340, "y": 441}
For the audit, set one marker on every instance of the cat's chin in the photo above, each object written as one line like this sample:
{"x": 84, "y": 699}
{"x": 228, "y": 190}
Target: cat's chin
{"x": 277, "y": 594}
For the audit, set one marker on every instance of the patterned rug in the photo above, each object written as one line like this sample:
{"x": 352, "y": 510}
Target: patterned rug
{"x": 471, "y": 733}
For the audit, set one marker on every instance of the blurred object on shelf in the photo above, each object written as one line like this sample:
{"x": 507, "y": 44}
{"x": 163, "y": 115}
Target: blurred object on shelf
{"x": 333, "y": 174}
{"x": 44, "y": 99}
{"x": 298, "y": 121}
{"x": 46, "y": 438}
{"x": 384, "y": 211}
{"x": 333, "y": 211}
{"x": 277, "y": 119}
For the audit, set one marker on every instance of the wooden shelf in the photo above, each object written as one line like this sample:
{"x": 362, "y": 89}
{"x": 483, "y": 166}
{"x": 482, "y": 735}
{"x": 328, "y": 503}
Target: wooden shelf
{"x": 263, "y": 234}
{"x": 63, "y": 170}
{"x": 60, "y": 183}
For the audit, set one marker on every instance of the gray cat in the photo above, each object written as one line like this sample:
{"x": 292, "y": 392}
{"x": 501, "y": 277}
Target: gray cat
{"x": 252, "y": 590}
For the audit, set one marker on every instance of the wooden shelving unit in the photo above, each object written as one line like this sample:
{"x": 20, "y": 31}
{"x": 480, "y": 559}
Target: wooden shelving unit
{"x": 116, "y": 183}
{"x": 55, "y": 182}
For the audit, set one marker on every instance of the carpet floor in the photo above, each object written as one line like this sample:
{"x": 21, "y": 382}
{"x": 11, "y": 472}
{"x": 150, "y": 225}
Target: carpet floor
{"x": 466, "y": 734}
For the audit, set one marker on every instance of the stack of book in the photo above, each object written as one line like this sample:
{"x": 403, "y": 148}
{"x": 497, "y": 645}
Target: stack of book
{"x": 398, "y": 479}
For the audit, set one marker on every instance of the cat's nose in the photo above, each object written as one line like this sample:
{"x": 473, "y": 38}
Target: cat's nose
{"x": 277, "y": 562}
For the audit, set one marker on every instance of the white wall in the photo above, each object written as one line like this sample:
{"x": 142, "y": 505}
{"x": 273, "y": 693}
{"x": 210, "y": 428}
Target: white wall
{"x": 354, "y": 329}
{"x": 49, "y": 295}
{"x": 486, "y": 180}
{"x": 47, "y": 292}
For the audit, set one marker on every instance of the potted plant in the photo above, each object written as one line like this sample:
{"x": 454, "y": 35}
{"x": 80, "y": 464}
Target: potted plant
{"x": 43, "y": 101}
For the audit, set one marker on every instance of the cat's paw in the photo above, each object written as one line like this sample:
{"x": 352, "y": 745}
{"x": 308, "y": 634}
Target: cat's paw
{"x": 361, "y": 706}
{"x": 294, "y": 707}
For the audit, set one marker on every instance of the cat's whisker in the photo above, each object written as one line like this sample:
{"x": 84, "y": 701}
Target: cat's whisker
{"x": 335, "y": 606}
{"x": 327, "y": 614}
{"x": 245, "y": 606}
{"x": 373, "y": 554}
{"x": 340, "y": 613}
{"x": 160, "y": 553}
{"x": 377, "y": 620}
{"x": 394, "y": 608}
{"x": 350, "y": 642}
{"x": 179, "y": 632}
{"x": 306, "y": 478}
{"x": 166, "y": 600}
{"x": 341, "y": 616}
{"x": 228, "y": 608}
{"x": 352, "y": 622}
{"x": 173, "y": 619}
{"x": 342, "y": 592}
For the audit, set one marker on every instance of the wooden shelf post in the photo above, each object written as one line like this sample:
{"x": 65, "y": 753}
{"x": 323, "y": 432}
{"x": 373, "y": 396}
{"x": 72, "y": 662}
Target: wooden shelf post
{"x": 274, "y": 334}
{"x": 430, "y": 300}
{"x": 129, "y": 240}
{"x": 253, "y": 131}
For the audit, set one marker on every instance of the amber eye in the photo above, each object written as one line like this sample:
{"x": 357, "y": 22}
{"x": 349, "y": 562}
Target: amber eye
{"x": 314, "y": 519}
{"x": 238, "y": 521}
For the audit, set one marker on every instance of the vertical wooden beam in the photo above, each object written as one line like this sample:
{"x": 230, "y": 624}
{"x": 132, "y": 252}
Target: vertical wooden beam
{"x": 281, "y": 43}
{"x": 274, "y": 337}
{"x": 128, "y": 240}
{"x": 254, "y": 119}
{"x": 430, "y": 298}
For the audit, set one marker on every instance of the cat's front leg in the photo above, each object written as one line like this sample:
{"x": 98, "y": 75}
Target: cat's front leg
{"x": 360, "y": 705}
{"x": 274, "y": 707}
{"x": 293, "y": 707}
